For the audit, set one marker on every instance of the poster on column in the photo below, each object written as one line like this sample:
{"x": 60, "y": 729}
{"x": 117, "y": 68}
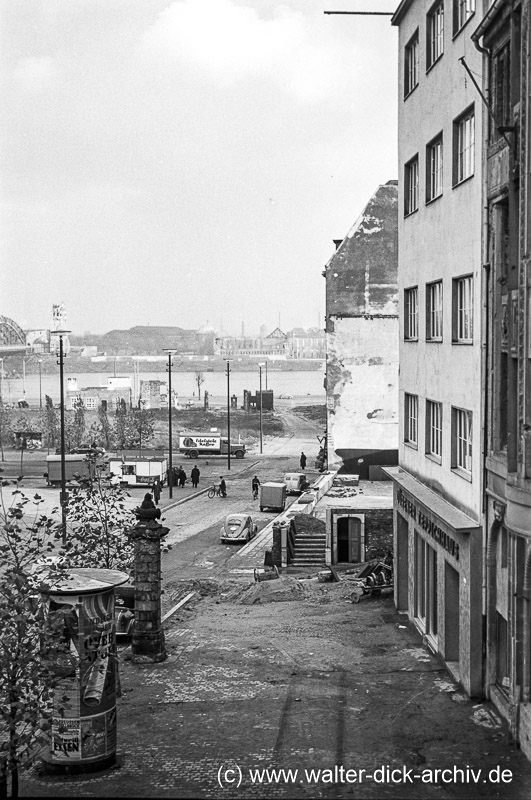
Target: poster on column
{"x": 84, "y": 718}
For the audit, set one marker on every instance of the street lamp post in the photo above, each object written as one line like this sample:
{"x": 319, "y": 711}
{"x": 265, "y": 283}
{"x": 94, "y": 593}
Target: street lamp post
{"x": 260, "y": 368}
{"x": 40, "y": 383}
{"x": 170, "y": 439}
{"x": 228, "y": 413}
{"x": 64, "y": 496}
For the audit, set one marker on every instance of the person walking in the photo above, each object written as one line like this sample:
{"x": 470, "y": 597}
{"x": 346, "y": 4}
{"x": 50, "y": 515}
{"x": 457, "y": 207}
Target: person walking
{"x": 255, "y": 486}
{"x": 302, "y": 461}
{"x": 156, "y": 491}
{"x": 182, "y": 477}
{"x": 222, "y": 487}
{"x": 195, "y": 473}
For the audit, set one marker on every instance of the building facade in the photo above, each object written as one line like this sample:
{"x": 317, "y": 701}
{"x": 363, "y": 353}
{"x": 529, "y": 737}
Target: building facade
{"x": 117, "y": 392}
{"x": 362, "y": 341}
{"x": 438, "y": 485}
{"x": 503, "y": 38}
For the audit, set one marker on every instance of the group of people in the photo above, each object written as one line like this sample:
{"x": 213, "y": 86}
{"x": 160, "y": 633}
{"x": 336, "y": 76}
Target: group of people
{"x": 178, "y": 476}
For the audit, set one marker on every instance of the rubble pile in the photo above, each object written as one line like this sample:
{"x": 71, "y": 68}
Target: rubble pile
{"x": 275, "y": 591}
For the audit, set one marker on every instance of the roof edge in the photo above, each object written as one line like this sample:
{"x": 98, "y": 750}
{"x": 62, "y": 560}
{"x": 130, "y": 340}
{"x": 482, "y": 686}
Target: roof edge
{"x": 400, "y": 11}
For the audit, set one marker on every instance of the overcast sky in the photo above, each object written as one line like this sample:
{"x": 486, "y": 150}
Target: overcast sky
{"x": 185, "y": 162}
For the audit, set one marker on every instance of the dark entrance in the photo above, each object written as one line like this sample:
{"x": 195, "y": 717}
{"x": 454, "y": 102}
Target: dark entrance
{"x": 349, "y": 539}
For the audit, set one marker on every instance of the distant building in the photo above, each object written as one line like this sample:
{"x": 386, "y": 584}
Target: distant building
{"x": 307, "y": 343}
{"x": 276, "y": 345}
{"x": 108, "y": 397}
{"x": 362, "y": 341}
{"x": 154, "y": 395}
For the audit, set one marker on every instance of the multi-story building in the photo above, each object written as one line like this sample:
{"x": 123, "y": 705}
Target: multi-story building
{"x": 503, "y": 36}
{"x": 362, "y": 341}
{"x": 438, "y": 486}
{"x": 307, "y": 343}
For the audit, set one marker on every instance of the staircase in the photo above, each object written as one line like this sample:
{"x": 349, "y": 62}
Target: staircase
{"x": 309, "y": 550}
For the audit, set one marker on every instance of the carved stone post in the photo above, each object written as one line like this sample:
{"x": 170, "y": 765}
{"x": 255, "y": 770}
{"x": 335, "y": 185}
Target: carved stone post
{"x": 148, "y": 635}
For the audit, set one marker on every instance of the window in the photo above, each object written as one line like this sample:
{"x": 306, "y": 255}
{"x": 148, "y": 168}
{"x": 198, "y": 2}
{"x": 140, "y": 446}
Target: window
{"x": 434, "y": 159}
{"x": 411, "y": 313}
{"x": 90, "y": 402}
{"x": 464, "y": 139}
{"x": 425, "y": 585}
{"x": 434, "y": 429}
{"x": 411, "y": 186}
{"x": 500, "y": 92}
{"x": 434, "y": 312}
{"x": 435, "y": 34}
{"x": 411, "y": 64}
{"x": 462, "y": 309}
{"x": 462, "y": 439}
{"x": 411, "y": 419}
{"x": 463, "y": 10}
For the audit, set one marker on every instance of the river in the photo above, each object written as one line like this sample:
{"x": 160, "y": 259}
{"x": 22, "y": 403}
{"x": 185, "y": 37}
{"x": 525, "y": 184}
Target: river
{"x": 306, "y": 387}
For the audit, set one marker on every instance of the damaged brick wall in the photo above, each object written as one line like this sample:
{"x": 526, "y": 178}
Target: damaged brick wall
{"x": 362, "y": 340}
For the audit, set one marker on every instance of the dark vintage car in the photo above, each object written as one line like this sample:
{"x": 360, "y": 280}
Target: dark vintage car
{"x": 238, "y": 528}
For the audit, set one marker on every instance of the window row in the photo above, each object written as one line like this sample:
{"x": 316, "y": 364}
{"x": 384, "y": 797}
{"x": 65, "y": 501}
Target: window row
{"x": 462, "y": 11}
{"x": 463, "y": 151}
{"x": 462, "y": 311}
{"x": 460, "y": 431}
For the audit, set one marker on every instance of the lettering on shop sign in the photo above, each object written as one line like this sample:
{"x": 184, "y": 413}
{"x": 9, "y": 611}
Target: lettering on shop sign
{"x": 428, "y": 525}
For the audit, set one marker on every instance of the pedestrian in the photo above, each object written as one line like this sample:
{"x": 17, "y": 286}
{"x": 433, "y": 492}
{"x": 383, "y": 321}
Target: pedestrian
{"x": 182, "y": 477}
{"x": 255, "y": 486}
{"x": 303, "y": 461}
{"x": 147, "y": 502}
{"x": 195, "y": 473}
{"x": 175, "y": 476}
{"x": 222, "y": 487}
{"x": 156, "y": 491}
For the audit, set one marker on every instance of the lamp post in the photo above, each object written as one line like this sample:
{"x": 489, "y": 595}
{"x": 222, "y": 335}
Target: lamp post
{"x": 40, "y": 383}
{"x": 266, "y": 374}
{"x": 260, "y": 368}
{"x": 228, "y": 412}
{"x": 170, "y": 353}
{"x": 64, "y": 496}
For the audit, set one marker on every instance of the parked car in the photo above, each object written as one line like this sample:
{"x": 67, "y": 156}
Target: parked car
{"x": 285, "y": 397}
{"x": 238, "y": 528}
{"x": 296, "y": 482}
{"x": 87, "y": 449}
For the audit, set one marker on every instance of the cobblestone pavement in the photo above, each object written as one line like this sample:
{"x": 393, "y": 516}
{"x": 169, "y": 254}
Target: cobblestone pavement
{"x": 289, "y": 674}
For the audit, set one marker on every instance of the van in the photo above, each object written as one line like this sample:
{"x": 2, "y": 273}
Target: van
{"x": 273, "y": 496}
{"x": 296, "y": 482}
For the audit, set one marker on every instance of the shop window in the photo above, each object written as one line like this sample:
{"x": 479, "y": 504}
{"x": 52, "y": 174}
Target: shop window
{"x": 425, "y": 585}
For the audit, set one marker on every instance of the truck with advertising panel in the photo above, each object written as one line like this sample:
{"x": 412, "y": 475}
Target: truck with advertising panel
{"x": 194, "y": 445}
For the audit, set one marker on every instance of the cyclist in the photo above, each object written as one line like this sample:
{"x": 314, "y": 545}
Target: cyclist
{"x": 255, "y": 485}
{"x": 222, "y": 487}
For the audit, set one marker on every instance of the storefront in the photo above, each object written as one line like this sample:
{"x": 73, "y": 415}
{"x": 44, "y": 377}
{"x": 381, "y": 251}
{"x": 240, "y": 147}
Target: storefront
{"x": 438, "y": 575}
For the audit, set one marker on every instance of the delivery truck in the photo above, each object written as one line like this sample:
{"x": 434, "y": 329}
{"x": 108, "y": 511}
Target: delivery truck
{"x": 138, "y": 470}
{"x": 194, "y": 445}
{"x": 273, "y": 496}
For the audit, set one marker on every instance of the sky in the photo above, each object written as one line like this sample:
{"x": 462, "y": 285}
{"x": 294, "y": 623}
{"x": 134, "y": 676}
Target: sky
{"x": 187, "y": 162}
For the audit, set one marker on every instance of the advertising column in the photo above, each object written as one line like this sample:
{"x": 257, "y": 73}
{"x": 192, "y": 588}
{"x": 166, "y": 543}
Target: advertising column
{"x": 84, "y": 732}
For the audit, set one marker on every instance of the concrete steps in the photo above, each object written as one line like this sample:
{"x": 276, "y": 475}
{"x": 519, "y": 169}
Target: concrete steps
{"x": 309, "y": 550}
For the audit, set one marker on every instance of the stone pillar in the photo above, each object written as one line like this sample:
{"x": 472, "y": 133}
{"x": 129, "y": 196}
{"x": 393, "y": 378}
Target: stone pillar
{"x": 148, "y": 635}
{"x": 277, "y": 546}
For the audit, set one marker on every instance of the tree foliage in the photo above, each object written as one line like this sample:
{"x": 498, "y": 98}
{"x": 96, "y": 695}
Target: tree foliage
{"x": 28, "y": 635}
{"x": 98, "y": 521}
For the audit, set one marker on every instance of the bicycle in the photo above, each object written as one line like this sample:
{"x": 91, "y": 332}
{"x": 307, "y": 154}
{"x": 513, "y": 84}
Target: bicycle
{"x": 215, "y": 491}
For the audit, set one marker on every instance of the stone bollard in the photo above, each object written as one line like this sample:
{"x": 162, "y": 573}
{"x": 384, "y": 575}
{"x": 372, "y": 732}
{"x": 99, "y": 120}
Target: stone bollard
{"x": 148, "y": 635}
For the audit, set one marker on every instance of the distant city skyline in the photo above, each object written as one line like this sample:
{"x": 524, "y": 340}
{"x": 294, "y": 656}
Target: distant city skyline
{"x": 183, "y": 161}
